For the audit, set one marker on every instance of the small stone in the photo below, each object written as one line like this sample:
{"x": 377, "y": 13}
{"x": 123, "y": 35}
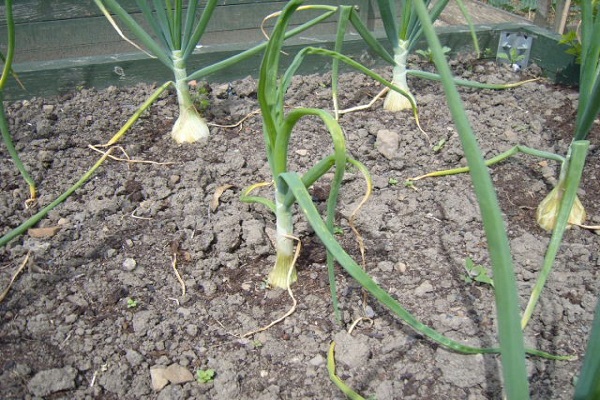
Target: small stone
{"x": 63, "y": 222}
{"x": 157, "y": 376}
{"x": 48, "y": 109}
{"x": 69, "y": 319}
{"x": 317, "y": 360}
{"x": 536, "y": 126}
{"x": 191, "y": 330}
{"x": 400, "y": 266}
{"x": 129, "y": 264}
{"x": 51, "y": 381}
{"x": 386, "y": 266}
{"x": 174, "y": 179}
{"x": 423, "y": 289}
{"x": 177, "y": 374}
{"x": 133, "y": 357}
{"x": 387, "y": 143}
{"x": 369, "y": 312}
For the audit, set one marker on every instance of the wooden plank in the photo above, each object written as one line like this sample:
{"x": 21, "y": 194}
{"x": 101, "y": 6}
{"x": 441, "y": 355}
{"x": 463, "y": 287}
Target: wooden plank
{"x": 562, "y": 14}
{"x": 480, "y": 13}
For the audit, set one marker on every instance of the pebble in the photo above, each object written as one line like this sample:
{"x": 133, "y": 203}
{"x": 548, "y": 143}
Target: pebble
{"x": 129, "y": 264}
{"x": 51, "y": 381}
{"x": 423, "y": 289}
{"x": 48, "y": 109}
{"x": 387, "y": 143}
{"x": 317, "y": 360}
{"x": 400, "y": 266}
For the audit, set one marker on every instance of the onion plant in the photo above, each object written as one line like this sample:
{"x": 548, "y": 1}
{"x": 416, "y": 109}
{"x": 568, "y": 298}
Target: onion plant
{"x": 560, "y": 202}
{"x": 292, "y": 188}
{"x": 562, "y": 207}
{"x": 510, "y": 336}
{"x": 4, "y": 128}
{"x": 403, "y": 32}
{"x": 177, "y": 33}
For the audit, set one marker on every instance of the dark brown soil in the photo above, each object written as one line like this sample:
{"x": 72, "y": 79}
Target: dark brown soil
{"x": 68, "y": 331}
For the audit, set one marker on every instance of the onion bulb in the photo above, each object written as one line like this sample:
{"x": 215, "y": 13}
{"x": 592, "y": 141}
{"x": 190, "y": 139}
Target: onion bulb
{"x": 547, "y": 211}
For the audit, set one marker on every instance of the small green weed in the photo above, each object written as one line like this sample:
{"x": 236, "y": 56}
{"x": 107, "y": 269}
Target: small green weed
{"x": 409, "y": 184}
{"x": 201, "y": 96}
{"x": 477, "y": 273}
{"x": 439, "y": 146}
{"x": 512, "y": 56}
{"x": 428, "y": 55}
{"x": 205, "y": 375}
{"x": 131, "y": 303}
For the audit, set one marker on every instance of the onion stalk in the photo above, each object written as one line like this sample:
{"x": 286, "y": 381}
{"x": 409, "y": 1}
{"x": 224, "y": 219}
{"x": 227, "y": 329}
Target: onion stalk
{"x": 291, "y": 188}
{"x": 190, "y": 126}
{"x": 278, "y": 277}
{"x": 4, "y": 128}
{"x": 403, "y": 30}
{"x": 177, "y": 33}
{"x": 395, "y": 101}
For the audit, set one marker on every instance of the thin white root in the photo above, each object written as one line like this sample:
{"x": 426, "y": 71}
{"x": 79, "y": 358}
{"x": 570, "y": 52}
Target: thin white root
{"x": 181, "y": 282}
{"x": 290, "y": 293}
{"x": 589, "y": 227}
{"x": 365, "y": 106}
{"x": 127, "y": 158}
{"x": 239, "y": 123}
{"x": 14, "y": 277}
{"x": 358, "y": 321}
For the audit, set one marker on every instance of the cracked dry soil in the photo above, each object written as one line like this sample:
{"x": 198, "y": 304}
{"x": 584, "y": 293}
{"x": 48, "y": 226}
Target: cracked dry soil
{"x": 67, "y": 329}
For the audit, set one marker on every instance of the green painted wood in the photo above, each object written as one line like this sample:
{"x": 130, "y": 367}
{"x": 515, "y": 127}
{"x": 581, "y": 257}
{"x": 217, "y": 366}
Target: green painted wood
{"x": 57, "y": 77}
{"x": 548, "y": 53}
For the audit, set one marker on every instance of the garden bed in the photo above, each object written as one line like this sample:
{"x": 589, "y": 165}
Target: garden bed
{"x": 100, "y": 303}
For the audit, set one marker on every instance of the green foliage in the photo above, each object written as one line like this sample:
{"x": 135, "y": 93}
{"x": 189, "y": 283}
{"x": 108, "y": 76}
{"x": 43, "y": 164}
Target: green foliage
{"x": 477, "y": 273}
{"x": 291, "y": 188}
{"x": 512, "y": 56}
{"x": 515, "y": 5}
{"x": 588, "y": 382}
{"x": 439, "y": 146}
{"x": 4, "y": 128}
{"x": 131, "y": 303}
{"x": 426, "y": 54}
{"x": 571, "y": 171}
{"x": 570, "y": 39}
{"x": 205, "y": 375}
{"x": 201, "y": 97}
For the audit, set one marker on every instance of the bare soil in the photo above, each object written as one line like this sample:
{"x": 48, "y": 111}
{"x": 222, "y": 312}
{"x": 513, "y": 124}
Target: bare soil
{"x": 67, "y": 329}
